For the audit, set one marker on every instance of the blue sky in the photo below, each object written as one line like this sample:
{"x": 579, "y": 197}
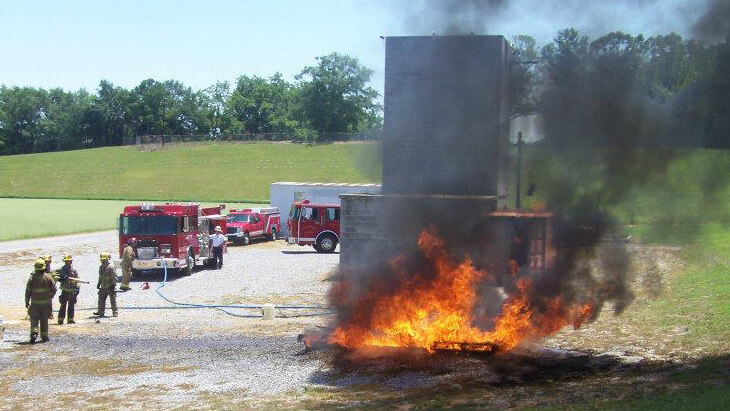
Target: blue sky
{"x": 75, "y": 44}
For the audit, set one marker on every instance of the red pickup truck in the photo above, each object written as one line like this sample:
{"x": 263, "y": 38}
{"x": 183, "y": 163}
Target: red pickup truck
{"x": 248, "y": 224}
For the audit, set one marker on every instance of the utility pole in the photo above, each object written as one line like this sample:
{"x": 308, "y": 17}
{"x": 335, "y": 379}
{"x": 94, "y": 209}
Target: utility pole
{"x": 519, "y": 170}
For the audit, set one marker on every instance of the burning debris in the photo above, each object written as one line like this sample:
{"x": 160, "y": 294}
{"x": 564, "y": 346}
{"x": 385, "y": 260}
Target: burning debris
{"x": 434, "y": 302}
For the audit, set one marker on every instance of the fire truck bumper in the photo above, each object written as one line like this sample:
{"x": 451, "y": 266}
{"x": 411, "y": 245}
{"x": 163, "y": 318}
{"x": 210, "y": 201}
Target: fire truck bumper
{"x": 235, "y": 236}
{"x": 156, "y": 263}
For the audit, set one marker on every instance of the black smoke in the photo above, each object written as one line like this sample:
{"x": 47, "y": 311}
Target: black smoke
{"x": 714, "y": 23}
{"x": 605, "y": 139}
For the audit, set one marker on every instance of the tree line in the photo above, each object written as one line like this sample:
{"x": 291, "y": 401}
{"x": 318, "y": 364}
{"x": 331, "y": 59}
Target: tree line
{"x": 617, "y": 88}
{"x": 328, "y": 98}
{"x": 621, "y": 90}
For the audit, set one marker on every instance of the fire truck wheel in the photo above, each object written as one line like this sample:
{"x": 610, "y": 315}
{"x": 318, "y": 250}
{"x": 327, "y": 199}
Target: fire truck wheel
{"x": 273, "y": 234}
{"x": 190, "y": 264}
{"x": 327, "y": 244}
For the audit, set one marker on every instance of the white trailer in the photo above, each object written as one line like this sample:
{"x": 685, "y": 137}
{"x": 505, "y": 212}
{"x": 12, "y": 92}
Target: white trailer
{"x": 283, "y": 194}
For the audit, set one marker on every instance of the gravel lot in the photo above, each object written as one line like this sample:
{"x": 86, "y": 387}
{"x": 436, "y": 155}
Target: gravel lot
{"x": 168, "y": 357}
{"x": 205, "y": 358}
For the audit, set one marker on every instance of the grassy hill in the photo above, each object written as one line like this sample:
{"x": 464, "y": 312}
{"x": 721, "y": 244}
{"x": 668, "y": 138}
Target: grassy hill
{"x": 226, "y": 172}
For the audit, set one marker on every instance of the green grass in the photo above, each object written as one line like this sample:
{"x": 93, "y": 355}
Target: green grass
{"x": 699, "y": 296}
{"x": 29, "y": 218}
{"x": 228, "y": 172}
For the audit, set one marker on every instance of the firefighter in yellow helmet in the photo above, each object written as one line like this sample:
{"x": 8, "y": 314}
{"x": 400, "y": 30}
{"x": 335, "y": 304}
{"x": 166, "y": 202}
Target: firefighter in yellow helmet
{"x": 128, "y": 256}
{"x": 106, "y": 285}
{"x": 47, "y": 259}
{"x": 69, "y": 289}
{"x": 39, "y": 292}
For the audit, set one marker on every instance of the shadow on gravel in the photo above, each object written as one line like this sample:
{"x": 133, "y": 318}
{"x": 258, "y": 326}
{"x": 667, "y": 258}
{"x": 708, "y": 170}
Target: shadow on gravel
{"x": 512, "y": 379}
{"x": 158, "y": 276}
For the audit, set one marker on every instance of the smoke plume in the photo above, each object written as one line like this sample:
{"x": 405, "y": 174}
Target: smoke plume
{"x": 604, "y": 138}
{"x": 714, "y": 24}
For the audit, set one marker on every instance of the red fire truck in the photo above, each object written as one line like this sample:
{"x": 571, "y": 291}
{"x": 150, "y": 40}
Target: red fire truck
{"x": 317, "y": 225}
{"x": 173, "y": 233}
{"x": 250, "y": 223}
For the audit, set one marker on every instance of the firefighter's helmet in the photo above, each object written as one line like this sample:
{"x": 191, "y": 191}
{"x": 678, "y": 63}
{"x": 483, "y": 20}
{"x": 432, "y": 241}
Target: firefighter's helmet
{"x": 132, "y": 241}
{"x": 39, "y": 264}
{"x": 218, "y": 229}
{"x": 67, "y": 257}
{"x": 46, "y": 258}
{"x": 105, "y": 256}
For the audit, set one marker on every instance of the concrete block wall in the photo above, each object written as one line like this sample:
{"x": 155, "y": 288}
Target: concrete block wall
{"x": 446, "y": 117}
{"x": 445, "y": 133}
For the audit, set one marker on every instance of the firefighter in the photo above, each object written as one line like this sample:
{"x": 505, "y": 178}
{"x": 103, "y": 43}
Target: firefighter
{"x": 107, "y": 283}
{"x": 69, "y": 290}
{"x": 128, "y": 255}
{"x": 218, "y": 241}
{"x": 39, "y": 292}
{"x": 47, "y": 260}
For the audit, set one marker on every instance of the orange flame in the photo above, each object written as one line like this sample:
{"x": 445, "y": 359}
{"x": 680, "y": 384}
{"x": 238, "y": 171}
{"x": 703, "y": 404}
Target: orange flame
{"x": 437, "y": 313}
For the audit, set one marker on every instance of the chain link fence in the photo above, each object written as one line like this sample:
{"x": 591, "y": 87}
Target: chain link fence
{"x": 156, "y": 142}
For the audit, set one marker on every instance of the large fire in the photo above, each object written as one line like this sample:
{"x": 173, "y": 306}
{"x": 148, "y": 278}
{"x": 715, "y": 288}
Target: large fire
{"x": 435, "y": 309}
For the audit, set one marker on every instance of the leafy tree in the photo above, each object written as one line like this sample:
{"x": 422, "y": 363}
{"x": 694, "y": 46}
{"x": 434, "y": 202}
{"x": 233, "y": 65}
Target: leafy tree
{"x": 261, "y": 105}
{"x": 109, "y": 120}
{"x": 334, "y": 97}
{"x": 523, "y": 76}
{"x": 23, "y": 112}
{"x": 213, "y": 102}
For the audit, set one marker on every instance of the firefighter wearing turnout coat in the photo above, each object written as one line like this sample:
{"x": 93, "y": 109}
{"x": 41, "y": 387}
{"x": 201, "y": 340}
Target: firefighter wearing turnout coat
{"x": 106, "y": 285}
{"x": 47, "y": 259}
{"x": 128, "y": 255}
{"x": 69, "y": 290}
{"x": 39, "y": 292}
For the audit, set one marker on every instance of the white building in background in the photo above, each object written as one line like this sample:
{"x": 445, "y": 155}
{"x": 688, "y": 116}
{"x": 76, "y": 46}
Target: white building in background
{"x": 283, "y": 194}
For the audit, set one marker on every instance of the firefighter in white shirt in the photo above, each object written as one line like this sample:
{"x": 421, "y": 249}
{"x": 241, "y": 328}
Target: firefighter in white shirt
{"x": 218, "y": 241}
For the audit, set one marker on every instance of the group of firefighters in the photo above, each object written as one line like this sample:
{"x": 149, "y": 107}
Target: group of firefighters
{"x": 41, "y": 288}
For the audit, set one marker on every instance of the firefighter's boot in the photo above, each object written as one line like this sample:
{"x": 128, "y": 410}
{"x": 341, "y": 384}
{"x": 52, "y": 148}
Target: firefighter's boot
{"x": 33, "y": 336}
{"x": 60, "y": 321}
{"x": 115, "y": 314}
{"x": 44, "y": 338}
{"x": 71, "y": 321}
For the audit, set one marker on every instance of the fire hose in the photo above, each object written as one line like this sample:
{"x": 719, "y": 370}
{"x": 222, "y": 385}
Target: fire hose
{"x": 222, "y": 307}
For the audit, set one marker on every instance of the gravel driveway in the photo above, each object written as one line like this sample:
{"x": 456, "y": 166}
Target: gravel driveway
{"x": 164, "y": 357}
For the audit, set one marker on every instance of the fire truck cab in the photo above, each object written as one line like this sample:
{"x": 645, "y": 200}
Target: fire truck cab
{"x": 248, "y": 224}
{"x": 317, "y": 225}
{"x": 172, "y": 235}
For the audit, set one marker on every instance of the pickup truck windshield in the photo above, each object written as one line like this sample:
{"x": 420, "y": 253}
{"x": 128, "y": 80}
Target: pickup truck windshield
{"x": 238, "y": 218}
{"x": 148, "y": 225}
